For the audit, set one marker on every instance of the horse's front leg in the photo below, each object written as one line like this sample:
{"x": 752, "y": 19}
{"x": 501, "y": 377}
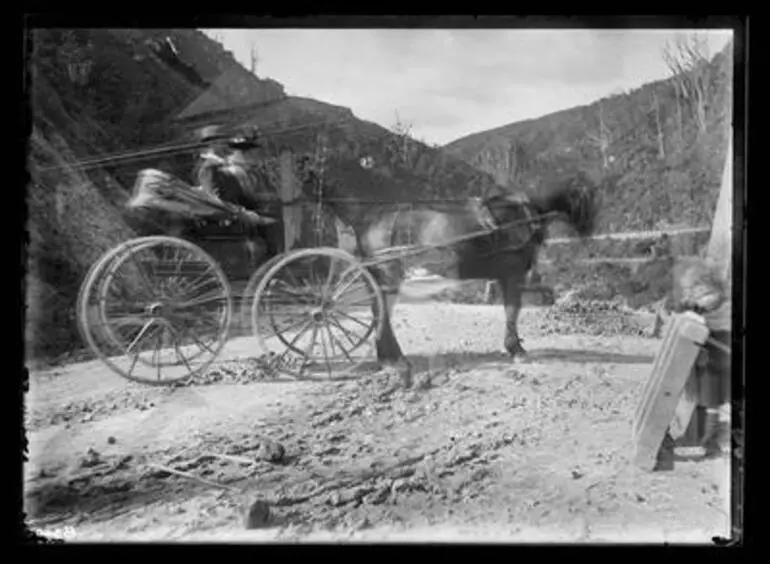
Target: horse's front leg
{"x": 512, "y": 292}
{"x": 389, "y": 351}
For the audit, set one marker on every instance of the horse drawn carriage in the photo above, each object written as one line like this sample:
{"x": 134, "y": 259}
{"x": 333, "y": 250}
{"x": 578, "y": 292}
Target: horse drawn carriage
{"x": 158, "y": 309}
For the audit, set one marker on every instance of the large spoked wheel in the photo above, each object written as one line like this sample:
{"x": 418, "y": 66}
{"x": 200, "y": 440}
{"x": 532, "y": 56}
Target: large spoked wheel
{"x": 90, "y": 313}
{"x": 317, "y": 314}
{"x": 156, "y": 310}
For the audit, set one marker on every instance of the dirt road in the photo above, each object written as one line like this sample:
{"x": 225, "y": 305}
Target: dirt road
{"x": 482, "y": 450}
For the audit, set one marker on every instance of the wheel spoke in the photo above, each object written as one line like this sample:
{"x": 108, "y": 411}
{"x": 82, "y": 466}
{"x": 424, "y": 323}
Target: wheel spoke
{"x": 205, "y": 299}
{"x": 326, "y": 355}
{"x": 331, "y": 339}
{"x": 142, "y": 274}
{"x": 200, "y": 343}
{"x": 369, "y": 298}
{"x": 308, "y": 350}
{"x": 346, "y": 331}
{"x": 198, "y": 282}
{"x": 316, "y": 283}
{"x": 294, "y": 279}
{"x": 301, "y": 333}
{"x": 160, "y": 347}
{"x": 133, "y": 363}
{"x": 288, "y": 290}
{"x": 300, "y": 320}
{"x": 142, "y": 332}
{"x": 325, "y": 292}
{"x": 120, "y": 322}
{"x": 341, "y": 290}
{"x": 179, "y": 353}
{"x": 343, "y": 314}
{"x": 187, "y": 331}
{"x": 339, "y": 344}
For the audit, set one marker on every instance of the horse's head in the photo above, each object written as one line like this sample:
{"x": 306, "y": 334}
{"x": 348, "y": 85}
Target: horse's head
{"x": 575, "y": 198}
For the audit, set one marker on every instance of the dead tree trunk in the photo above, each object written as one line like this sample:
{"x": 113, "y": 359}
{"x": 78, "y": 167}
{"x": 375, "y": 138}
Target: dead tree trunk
{"x": 254, "y": 59}
{"x": 602, "y": 140}
{"x": 659, "y": 129}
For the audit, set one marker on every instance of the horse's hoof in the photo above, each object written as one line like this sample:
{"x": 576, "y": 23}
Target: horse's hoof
{"x": 521, "y": 358}
{"x": 401, "y": 367}
{"x": 404, "y": 370}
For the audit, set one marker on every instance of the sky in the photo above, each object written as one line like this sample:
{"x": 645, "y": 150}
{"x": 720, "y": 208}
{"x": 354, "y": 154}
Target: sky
{"x": 448, "y": 83}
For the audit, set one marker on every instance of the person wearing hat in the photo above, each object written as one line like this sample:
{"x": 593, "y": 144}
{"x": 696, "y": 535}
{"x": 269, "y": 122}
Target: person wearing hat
{"x": 224, "y": 171}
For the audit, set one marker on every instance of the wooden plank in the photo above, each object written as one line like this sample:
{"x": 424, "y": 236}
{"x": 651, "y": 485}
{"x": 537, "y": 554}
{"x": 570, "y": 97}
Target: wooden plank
{"x": 663, "y": 389}
{"x": 680, "y": 428}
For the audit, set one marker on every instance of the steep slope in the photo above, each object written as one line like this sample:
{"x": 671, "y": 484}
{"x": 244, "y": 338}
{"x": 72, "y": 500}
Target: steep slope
{"x": 664, "y": 171}
{"x": 95, "y": 93}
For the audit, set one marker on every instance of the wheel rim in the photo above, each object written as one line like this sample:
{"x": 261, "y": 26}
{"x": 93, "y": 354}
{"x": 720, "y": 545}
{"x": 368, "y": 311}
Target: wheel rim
{"x": 163, "y": 310}
{"x": 91, "y": 284}
{"x": 316, "y": 314}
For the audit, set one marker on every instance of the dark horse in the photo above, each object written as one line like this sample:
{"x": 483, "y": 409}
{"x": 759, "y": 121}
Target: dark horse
{"x": 511, "y": 228}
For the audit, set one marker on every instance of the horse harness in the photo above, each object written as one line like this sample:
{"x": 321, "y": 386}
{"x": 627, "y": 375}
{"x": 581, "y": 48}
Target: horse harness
{"x": 493, "y": 228}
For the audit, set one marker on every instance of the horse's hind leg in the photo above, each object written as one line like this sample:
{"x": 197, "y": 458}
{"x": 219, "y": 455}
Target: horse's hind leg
{"x": 512, "y": 292}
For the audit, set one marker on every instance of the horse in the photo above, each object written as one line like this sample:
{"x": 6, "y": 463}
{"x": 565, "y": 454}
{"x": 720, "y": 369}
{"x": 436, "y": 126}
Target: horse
{"x": 496, "y": 238}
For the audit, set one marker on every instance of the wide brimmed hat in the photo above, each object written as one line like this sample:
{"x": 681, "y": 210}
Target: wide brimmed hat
{"x": 210, "y": 133}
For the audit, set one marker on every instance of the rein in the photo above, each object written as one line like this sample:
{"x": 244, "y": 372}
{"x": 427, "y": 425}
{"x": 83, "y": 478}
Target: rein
{"x": 386, "y": 255}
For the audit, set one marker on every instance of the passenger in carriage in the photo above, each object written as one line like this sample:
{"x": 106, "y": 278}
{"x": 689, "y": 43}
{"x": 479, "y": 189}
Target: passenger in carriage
{"x": 224, "y": 170}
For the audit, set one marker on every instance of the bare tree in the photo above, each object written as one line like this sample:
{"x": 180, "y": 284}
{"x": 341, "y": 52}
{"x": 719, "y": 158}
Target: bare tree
{"x": 505, "y": 162}
{"x": 688, "y": 60}
{"x": 658, "y": 126}
{"x": 254, "y": 58}
{"x": 402, "y": 144}
{"x": 603, "y": 138}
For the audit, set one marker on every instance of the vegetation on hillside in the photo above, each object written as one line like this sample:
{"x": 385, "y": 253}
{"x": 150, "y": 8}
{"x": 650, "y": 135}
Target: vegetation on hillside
{"x": 662, "y": 146}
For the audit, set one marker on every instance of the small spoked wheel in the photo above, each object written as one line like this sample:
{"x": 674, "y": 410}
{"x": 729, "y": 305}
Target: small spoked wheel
{"x": 317, "y": 314}
{"x": 156, "y": 310}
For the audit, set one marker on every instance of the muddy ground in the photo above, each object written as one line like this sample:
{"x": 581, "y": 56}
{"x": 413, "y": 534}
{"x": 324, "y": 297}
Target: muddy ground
{"x": 481, "y": 449}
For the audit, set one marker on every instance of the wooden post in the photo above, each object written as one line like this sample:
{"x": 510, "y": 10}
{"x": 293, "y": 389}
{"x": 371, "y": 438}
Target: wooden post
{"x": 292, "y": 211}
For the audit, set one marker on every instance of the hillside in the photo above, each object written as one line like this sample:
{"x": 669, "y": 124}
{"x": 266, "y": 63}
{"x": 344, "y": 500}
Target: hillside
{"x": 113, "y": 94}
{"x": 664, "y": 163}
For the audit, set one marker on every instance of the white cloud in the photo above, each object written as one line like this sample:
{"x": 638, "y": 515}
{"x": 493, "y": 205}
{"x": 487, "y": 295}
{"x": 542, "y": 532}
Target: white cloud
{"x": 451, "y": 83}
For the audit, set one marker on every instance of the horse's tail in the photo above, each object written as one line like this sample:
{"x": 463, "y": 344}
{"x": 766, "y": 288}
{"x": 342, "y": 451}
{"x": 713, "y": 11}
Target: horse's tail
{"x": 576, "y": 198}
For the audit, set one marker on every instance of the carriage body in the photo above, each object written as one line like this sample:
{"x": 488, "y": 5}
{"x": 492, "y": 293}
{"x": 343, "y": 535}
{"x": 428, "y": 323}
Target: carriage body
{"x": 199, "y": 216}
{"x": 158, "y": 308}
